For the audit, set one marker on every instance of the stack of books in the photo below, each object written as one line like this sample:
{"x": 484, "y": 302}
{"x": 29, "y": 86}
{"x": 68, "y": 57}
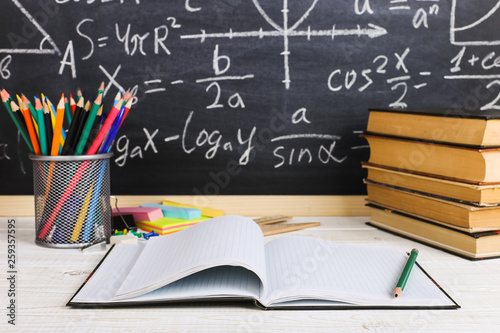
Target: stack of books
{"x": 434, "y": 177}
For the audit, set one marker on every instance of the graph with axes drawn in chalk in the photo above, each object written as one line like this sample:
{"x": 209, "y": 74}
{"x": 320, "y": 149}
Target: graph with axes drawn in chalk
{"x": 289, "y": 30}
{"x": 468, "y": 28}
{"x": 53, "y": 49}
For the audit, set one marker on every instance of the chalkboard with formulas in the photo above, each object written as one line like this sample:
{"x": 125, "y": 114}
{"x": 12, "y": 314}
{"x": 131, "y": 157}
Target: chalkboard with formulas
{"x": 245, "y": 96}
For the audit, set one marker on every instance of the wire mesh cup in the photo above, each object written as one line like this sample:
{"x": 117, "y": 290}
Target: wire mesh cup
{"x": 72, "y": 206}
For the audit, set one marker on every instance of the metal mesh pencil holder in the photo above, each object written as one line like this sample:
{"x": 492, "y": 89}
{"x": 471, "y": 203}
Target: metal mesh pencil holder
{"x": 72, "y": 207}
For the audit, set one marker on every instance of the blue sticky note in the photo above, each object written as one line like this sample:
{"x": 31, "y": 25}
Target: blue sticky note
{"x": 176, "y": 212}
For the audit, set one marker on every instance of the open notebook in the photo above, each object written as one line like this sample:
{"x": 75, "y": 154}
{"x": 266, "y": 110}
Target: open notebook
{"x": 226, "y": 258}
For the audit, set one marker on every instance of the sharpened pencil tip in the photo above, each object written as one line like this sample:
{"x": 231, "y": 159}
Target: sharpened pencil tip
{"x": 38, "y": 104}
{"x": 98, "y": 100}
{"x": 61, "y": 103}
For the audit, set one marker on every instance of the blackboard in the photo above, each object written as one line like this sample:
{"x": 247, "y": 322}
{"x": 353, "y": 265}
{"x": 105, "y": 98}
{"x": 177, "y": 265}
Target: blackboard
{"x": 242, "y": 96}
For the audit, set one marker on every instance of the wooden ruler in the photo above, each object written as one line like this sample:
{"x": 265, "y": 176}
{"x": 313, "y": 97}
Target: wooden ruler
{"x": 274, "y": 229}
{"x": 272, "y": 219}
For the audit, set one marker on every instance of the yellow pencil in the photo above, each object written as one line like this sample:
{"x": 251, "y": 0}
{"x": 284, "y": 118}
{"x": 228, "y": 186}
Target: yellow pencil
{"x": 57, "y": 138}
{"x": 81, "y": 217}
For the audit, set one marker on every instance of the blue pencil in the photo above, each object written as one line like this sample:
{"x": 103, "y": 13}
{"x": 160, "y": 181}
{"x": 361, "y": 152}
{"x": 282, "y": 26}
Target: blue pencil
{"x": 94, "y": 201}
{"x": 113, "y": 131}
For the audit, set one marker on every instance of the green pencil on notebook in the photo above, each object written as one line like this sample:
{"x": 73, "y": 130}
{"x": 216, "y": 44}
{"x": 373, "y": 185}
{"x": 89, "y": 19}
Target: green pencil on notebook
{"x": 400, "y": 286}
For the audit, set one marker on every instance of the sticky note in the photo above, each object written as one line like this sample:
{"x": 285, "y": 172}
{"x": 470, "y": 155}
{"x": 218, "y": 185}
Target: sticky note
{"x": 204, "y": 210}
{"x": 168, "y": 225}
{"x": 176, "y": 212}
{"x": 141, "y": 213}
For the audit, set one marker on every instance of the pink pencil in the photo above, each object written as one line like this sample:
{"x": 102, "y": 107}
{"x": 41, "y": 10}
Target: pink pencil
{"x": 105, "y": 128}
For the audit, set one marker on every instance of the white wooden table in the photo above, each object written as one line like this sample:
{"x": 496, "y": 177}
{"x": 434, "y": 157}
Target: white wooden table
{"x": 46, "y": 278}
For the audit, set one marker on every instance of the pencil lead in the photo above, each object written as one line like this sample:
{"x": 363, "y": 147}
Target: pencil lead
{"x": 101, "y": 87}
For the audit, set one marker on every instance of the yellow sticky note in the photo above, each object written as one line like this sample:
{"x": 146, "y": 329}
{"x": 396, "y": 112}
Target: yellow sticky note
{"x": 204, "y": 210}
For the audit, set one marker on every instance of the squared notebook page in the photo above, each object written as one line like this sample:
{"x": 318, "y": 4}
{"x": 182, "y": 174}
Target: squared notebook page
{"x": 109, "y": 276}
{"x": 302, "y": 267}
{"x": 223, "y": 282}
{"x": 225, "y": 240}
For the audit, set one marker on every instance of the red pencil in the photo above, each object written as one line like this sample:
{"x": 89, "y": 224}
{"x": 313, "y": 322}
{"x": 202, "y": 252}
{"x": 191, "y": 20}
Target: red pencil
{"x": 105, "y": 128}
{"x": 72, "y": 104}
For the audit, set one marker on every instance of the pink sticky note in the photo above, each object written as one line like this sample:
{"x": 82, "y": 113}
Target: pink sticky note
{"x": 141, "y": 213}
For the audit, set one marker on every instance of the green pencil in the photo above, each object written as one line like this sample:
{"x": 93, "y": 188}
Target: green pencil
{"x": 88, "y": 125}
{"x": 41, "y": 127}
{"x": 5, "y": 99}
{"x": 67, "y": 108}
{"x": 400, "y": 286}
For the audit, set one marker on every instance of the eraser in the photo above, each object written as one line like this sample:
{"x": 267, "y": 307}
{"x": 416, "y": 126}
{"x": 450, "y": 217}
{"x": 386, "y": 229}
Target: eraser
{"x": 140, "y": 213}
{"x": 168, "y": 225}
{"x": 127, "y": 239}
{"x": 176, "y": 212}
{"x": 204, "y": 210}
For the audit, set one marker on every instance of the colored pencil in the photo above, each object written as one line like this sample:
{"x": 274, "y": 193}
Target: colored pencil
{"x": 34, "y": 114}
{"x": 41, "y": 127}
{"x": 20, "y": 125}
{"x": 73, "y": 128}
{"x": 101, "y": 89}
{"x": 53, "y": 118}
{"x": 79, "y": 95}
{"x": 405, "y": 274}
{"x": 67, "y": 108}
{"x": 88, "y": 125}
{"x": 105, "y": 128}
{"x": 81, "y": 217}
{"x": 24, "y": 106}
{"x": 81, "y": 125}
{"x": 94, "y": 201}
{"x": 118, "y": 96}
{"x": 56, "y": 139}
{"x": 48, "y": 125}
{"x": 95, "y": 128}
{"x": 114, "y": 129}
{"x": 72, "y": 104}
{"x": 29, "y": 126}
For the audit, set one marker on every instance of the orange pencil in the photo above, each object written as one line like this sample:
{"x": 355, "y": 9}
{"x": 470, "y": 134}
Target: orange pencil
{"x": 56, "y": 139}
{"x": 29, "y": 125}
